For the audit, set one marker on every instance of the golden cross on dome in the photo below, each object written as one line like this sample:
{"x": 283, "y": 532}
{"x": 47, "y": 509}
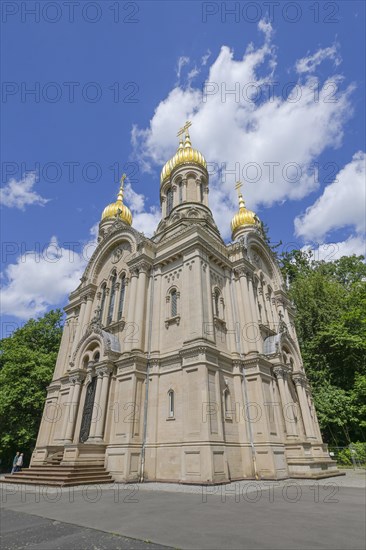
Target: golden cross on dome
{"x": 184, "y": 129}
{"x": 120, "y": 192}
{"x": 122, "y": 180}
{"x": 238, "y": 186}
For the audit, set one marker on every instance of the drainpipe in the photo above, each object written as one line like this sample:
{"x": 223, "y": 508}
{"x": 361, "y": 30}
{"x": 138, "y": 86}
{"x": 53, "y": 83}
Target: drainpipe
{"x": 244, "y": 382}
{"x": 147, "y": 379}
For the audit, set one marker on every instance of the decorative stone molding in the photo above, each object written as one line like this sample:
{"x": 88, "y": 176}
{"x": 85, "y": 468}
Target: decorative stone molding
{"x": 172, "y": 320}
{"x": 281, "y": 372}
{"x": 299, "y": 380}
{"x": 104, "y": 370}
{"x": 110, "y": 342}
{"x": 77, "y": 377}
{"x": 143, "y": 267}
{"x": 220, "y": 323}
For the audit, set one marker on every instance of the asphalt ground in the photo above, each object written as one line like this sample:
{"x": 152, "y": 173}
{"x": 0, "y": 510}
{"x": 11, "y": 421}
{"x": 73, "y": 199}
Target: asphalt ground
{"x": 291, "y": 514}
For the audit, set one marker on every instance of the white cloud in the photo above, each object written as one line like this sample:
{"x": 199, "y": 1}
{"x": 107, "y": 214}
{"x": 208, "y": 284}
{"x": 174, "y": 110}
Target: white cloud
{"x": 310, "y": 63}
{"x": 341, "y": 204}
{"x": 355, "y": 244}
{"x": 43, "y": 278}
{"x": 183, "y": 60}
{"x": 205, "y": 58}
{"x": 19, "y": 193}
{"x": 246, "y": 136}
{"x": 146, "y": 222}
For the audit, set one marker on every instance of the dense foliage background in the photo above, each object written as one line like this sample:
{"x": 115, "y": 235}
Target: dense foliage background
{"x": 27, "y": 362}
{"x": 330, "y": 298}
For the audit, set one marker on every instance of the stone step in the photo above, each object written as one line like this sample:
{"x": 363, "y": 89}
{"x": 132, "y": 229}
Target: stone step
{"x": 60, "y": 476}
{"x": 61, "y": 470}
{"x": 56, "y": 477}
{"x": 52, "y": 483}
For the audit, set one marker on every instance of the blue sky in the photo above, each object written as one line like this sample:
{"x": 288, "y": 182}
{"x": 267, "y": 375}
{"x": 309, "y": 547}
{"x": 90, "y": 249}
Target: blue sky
{"x": 115, "y": 80}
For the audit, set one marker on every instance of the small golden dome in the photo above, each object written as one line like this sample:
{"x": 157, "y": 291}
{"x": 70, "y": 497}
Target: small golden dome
{"x": 185, "y": 155}
{"x": 244, "y": 216}
{"x": 118, "y": 209}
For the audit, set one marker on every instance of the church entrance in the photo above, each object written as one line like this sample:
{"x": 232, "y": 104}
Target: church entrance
{"x": 88, "y": 410}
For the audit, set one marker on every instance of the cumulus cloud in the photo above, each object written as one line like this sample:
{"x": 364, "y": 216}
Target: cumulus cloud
{"x": 355, "y": 244}
{"x": 310, "y": 63}
{"x": 341, "y": 204}
{"x": 143, "y": 221}
{"x": 248, "y": 129}
{"x": 43, "y": 278}
{"x": 20, "y": 193}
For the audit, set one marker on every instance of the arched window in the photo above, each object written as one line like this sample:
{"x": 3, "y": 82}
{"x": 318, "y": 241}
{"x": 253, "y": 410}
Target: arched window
{"x": 171, "y": 404}
{"x": 201, "y": 192}
{"x": 121, "y": 296}
{"x": 180, "y": 191}
{"x": 96, "y": 357}
{"x": 217, "y": 302}
{"x": 173, "y": 303}
{"x": 112, "y": 298}
{"x": 102, "y": 302}
{"x": 169, "y": 201}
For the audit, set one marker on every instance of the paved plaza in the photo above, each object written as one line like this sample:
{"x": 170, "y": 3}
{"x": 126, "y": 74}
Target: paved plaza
{"x": 291, "y": 514}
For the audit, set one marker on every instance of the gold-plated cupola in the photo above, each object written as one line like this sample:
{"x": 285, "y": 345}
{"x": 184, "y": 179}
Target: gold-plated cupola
{"x": 118, "y": 209}
{"x": 243, "y": 217}
{"x": 185, "y": 155}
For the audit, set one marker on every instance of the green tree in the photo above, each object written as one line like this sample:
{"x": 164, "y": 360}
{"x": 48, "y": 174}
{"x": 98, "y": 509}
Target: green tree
{"x": 330, "y": 299}
{"x": 27, "y": 361}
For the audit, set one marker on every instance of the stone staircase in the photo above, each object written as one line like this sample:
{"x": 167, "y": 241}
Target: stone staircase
{"x": 57, "y": 475}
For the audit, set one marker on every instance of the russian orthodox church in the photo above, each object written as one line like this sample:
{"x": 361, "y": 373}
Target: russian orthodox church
{"x": 179, "y": 359}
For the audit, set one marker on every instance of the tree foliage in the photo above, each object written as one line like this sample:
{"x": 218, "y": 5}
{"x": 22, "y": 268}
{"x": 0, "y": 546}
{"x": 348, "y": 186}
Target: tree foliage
{"x": 27, "y": 362}
{"x": 330, "y": 299}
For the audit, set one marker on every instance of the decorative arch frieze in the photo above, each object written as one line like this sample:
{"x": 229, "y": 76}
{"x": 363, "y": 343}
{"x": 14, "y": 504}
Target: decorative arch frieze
{"x": 120, "y": 246}
{"x": 108, "y": 343}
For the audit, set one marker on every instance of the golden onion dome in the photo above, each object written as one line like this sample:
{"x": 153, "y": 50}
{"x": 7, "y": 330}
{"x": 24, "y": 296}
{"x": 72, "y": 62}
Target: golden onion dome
{"x": 244, "y": 216}
{"x": 185, "y": 155}
{"x": 118, "y": 209}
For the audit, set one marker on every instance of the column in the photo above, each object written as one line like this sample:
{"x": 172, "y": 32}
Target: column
{"x": 293, "y": 411}
{"x": 87, "y": 313}
{"x": 74, "y": 402}
{"x": 300, "y": 388}
{"x": 116, "y": 300}
{"x": 263, "y": 304}
{"x": 229, "y": 317}
{"x": 96, "y": 408}
{"x": 208, "y": 320}
{"x": 99, "y": 428}
{"x": 281, "y": 373}
{"x": 129, "y": 330}
{"x": 156, "y": 313}
{"x": 185, "y": 183}
{"x": 250, "y": 331}
{"x": 140, "y": 305}
{"x": 79, "y": 325}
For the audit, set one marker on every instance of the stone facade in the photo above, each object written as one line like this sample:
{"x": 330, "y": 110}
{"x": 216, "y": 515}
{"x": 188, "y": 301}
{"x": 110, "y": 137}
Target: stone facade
{"x": 179, "y": 359}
